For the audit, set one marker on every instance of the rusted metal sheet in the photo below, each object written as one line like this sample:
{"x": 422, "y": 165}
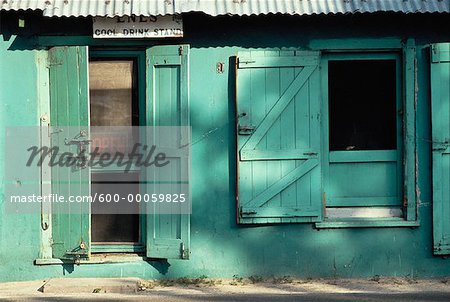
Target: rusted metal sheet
{"x": 113, "y": 8}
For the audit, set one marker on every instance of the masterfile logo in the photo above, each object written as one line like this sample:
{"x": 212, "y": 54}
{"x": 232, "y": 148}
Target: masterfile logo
{"x": 110, "y": 168}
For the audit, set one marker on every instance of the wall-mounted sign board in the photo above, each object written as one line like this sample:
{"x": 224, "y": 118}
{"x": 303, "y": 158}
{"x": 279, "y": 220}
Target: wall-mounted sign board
{"x": 138, "y": 27}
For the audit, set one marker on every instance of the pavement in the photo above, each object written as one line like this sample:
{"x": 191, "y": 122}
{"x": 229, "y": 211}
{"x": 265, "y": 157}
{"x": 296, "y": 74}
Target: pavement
{"x": 237, "y": 289}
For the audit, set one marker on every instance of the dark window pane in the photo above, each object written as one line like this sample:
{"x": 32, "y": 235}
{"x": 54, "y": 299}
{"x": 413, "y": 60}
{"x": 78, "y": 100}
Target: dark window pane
{"x": 115, "y": 228}
{"x": 362, "y": 105}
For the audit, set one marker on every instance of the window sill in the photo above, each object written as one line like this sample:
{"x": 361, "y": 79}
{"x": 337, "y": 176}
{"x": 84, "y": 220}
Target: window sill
{"x": 94, "y": 259}
{"x": 117, "y": 248}
{"x": 366, "y": 223}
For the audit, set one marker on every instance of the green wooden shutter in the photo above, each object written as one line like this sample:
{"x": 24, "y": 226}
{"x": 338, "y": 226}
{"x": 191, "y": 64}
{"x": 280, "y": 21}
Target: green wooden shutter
{"x": 69, "y": 95}
{"x": 440, "y": 102}
{"x": 168, "y": 105}
{"x": 279, "y": 165}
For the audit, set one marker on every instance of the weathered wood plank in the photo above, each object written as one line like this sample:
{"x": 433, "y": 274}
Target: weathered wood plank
{"x": 283, "y": 183}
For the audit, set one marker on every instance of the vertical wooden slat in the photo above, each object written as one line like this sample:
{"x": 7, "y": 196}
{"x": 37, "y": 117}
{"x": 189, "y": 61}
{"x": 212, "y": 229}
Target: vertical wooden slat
{"x": 257, "y": 100}
{"x": 303, "y": 139}
{"x": 287, "y": 75}
{"x": 244, "y": 112}
{"x": 274, "y": 135}
{"x": 315, "y": 180}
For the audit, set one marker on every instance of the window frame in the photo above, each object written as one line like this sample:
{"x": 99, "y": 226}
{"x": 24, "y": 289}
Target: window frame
{"x": 407, "y": 82}
{"x": 149, "y": 56}
{"x": 365, "y": 56}
{"x": 139, "y": 58}
{"x": 327, "y": 153}
{"x": 404, "y": 49}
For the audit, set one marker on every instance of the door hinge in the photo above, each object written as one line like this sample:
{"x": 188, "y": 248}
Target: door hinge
{"x": 246, "y": 130}
{"x": 53, "y": 130}
{"x": 247, "y": 212}
{"x": 79, "y": 139}
{"x": 80, "y": 251}
{"x": 184, "y": 252}
{"x": 441, "y": 147}
{"x": 247, "y": 61}
{"x": 309, "y": 153}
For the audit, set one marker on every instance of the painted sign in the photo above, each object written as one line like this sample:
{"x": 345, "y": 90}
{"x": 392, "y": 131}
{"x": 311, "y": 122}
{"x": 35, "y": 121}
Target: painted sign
{"x": 138, "y": 27}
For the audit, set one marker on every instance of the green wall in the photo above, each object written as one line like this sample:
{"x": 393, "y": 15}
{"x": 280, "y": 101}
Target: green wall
{"x": 219, "y": 247}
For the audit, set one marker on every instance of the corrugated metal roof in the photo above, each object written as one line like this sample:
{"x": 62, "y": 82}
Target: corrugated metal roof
{"x": 222, "y": 7}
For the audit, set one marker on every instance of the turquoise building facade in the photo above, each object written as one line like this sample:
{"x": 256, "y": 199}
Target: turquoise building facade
{"x": 269, "y": 198}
